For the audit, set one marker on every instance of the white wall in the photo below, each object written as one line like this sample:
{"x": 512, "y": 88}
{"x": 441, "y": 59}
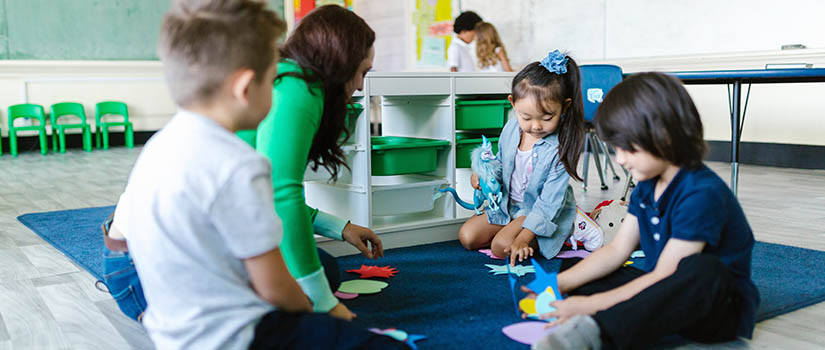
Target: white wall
{"x": 137, "y": 83}
{"x": 390, "y": 21}
{"x": 645, "y": 35}
{"x": 610, "y": 29}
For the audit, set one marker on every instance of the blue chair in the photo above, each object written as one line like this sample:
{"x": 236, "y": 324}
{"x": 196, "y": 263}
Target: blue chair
{"x": 597, "y": 80}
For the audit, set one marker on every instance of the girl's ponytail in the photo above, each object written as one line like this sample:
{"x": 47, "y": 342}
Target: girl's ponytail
{"x": 571, "y": 126}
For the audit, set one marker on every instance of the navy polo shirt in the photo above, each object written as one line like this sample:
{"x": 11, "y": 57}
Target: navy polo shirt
{"x": 698, "y": 206}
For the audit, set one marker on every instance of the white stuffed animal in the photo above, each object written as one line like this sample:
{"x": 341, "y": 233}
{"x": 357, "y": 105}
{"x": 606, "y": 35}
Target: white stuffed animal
{"x": 586, "y": 231}
{"x": 609, "y": 215}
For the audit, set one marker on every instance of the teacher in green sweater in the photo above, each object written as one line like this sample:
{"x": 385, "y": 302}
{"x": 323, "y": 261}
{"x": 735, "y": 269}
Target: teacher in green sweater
{"x": 323, "y": 62}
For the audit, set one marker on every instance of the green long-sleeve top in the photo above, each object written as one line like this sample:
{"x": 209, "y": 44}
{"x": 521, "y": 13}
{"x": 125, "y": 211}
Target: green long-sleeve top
{"x": 285, "y": 137}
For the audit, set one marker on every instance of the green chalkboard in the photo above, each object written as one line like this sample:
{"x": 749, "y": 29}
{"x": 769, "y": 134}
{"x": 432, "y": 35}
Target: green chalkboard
{"x": 83, "y": 29}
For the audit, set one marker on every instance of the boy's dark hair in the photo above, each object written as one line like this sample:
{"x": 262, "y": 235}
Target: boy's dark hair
{"x": 329, "y": 44}
{"x": 204, "y": 41}
{"x": 467, "y": 20}
{"x": 653, "y": 112}
{"x": 536, "y": 81}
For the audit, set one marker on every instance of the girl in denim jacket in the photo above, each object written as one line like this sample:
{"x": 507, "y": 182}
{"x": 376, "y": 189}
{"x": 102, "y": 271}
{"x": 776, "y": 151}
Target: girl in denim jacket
{"x": 539, "y": 150}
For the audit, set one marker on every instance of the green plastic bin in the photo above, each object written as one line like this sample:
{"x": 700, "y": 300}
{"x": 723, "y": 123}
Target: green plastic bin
{"x": 481, "y": 114}
{"x": 464, "y": 146}
{"x": 392, "y": 155}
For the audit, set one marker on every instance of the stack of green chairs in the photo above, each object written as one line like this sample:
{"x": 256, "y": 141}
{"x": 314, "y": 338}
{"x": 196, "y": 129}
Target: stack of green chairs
{"x": 59, "y": 130}
{"x": 102, "y": 128}
{"x": 27, "y": 110}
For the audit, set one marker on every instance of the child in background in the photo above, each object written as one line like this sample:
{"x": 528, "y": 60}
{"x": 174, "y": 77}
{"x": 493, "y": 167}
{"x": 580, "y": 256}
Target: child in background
{"x": 490, "y": 50}
{"x": 539, "y": 151}
{"x": 696, "y": 281}
{"x": 199, "y": 214}
{"x": 461, "y": 53}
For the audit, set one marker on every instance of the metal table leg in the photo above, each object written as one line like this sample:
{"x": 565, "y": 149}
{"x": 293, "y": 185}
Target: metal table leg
{"x": 734, "y": 138}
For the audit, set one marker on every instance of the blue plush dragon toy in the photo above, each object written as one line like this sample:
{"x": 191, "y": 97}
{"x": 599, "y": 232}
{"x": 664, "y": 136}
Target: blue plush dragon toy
{"x": 487, "y": 166}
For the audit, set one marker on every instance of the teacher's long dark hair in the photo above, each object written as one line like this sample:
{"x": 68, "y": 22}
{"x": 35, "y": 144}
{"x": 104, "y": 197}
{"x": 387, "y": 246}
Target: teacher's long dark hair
{"x": 329, "y": 44}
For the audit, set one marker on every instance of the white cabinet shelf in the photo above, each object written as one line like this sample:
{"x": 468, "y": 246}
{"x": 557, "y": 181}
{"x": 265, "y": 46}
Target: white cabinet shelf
{"x": 412, "y": 105}
{"x": 483, "y": 83}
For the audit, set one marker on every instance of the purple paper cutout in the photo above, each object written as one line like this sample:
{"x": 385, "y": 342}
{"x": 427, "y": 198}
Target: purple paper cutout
{"x": 567, "y": 254}
{"x": 489, "y": 253}
{"x": 527, "y": 332}
{"x": 346, "y": 296}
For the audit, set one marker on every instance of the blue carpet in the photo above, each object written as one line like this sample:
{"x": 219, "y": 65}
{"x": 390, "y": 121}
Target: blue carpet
{"x": 445, "y": 292}
{"x": 75, "y": 232}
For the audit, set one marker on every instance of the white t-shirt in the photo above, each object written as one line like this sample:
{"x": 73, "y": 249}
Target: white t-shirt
{"x": 120, "y": 215}
{"x": 199, "y": 202}
{"x": 462, "y": 55}
{"x": 521, "y": 175}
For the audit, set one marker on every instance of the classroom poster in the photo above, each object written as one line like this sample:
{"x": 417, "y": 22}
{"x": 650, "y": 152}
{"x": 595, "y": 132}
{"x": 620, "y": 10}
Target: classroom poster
{"x": 302, "y": 7}
{"x": 433, "y": 31}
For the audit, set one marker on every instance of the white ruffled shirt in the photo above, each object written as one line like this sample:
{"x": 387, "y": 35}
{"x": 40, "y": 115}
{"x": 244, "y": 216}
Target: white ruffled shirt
{"x": 521, "y": 175}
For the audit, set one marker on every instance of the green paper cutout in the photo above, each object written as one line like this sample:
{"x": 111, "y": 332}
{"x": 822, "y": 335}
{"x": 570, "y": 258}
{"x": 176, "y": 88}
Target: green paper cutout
{"x": 362, "y": 286}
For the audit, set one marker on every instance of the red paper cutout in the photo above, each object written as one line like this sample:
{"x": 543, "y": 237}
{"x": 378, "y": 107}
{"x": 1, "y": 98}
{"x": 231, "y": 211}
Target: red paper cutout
{"x": 375, "y": 271}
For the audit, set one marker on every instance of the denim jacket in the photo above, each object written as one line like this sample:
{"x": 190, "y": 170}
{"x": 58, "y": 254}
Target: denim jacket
{"x": 548, "y": 199}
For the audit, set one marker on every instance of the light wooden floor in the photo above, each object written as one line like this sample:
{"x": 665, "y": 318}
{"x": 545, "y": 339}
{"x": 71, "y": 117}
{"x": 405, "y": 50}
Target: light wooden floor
{"x": 46, "y": 302}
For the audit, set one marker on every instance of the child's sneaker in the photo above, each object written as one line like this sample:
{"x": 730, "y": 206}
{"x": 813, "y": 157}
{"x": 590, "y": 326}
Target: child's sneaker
{"x": 579, "y": 332}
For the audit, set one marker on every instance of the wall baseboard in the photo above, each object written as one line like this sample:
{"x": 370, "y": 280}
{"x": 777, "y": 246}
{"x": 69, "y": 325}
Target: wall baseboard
{"x": 32, "y": 143}
{"x": 757, "y": 153}
{"x": 770, "y": 154}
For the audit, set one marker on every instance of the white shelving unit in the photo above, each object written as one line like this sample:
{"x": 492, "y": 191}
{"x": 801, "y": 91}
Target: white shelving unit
{"x": 412, "y": 105}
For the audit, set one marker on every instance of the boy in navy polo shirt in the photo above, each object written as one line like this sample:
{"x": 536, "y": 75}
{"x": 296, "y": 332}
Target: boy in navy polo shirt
{"x": 697, "y": 278}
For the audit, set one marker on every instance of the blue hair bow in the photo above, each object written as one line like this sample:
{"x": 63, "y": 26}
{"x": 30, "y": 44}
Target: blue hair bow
{"x": 555, "y": 62}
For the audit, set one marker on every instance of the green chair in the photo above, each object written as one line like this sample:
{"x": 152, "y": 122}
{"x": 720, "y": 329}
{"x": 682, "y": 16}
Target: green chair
{"x": 59, "y": 130}
{"x": 27, "y": 110}
{"x": 102, "y": 128}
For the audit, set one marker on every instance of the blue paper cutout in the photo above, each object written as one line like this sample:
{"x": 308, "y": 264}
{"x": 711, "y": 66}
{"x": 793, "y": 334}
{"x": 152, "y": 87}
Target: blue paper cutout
{"x": 518, "y": 270}
{"x": 513, "y": 288}
{"x": 412, "y": 338}
{"x": 546, "y": 287}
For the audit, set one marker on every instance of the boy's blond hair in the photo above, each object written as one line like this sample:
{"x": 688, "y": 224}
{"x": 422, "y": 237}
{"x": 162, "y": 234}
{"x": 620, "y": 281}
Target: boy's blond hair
{"x": 202, "y": 42}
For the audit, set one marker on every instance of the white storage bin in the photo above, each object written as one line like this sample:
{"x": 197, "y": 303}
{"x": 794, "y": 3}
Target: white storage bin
{"x": 404, "y": 194}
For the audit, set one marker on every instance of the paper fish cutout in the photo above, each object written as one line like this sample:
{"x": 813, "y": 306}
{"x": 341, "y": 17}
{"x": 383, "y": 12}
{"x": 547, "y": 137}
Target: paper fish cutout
{"x": 400, "y": 335}
{"x": 518, "y": 270}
